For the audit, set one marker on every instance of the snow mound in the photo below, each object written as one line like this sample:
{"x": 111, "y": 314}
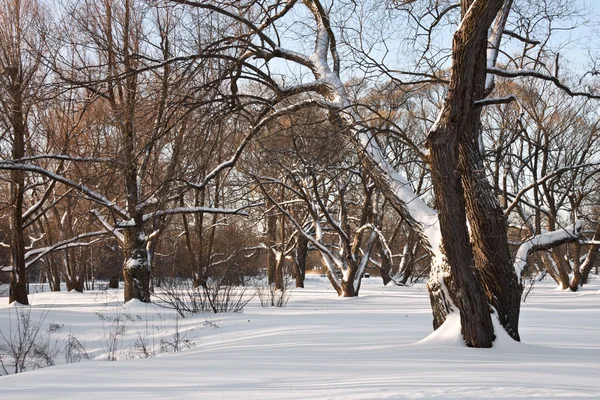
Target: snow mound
{"x": 137, "y": 306}
{"x": 449, "y": 334}
{"x": 446, "y": 335}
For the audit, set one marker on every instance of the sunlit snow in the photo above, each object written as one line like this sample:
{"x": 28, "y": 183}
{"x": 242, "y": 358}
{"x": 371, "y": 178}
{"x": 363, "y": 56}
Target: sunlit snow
{"x": 377, "y": 346}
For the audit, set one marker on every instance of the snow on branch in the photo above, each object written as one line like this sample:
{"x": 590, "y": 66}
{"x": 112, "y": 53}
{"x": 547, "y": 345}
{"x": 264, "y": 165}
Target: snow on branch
{"x": 108, "y": 227}
{"x": 545, "y": 241}
{"x": 494, "y": 42}
{"x": 35, "y": 255}
{"x": 521, "y": 38}
{"x": 497, "y": 100}
{"x": 63, "y": 157}
{"x": 535, "y": 74}
{"x": 191, "y": 210}
{"x": 331, "y": 261}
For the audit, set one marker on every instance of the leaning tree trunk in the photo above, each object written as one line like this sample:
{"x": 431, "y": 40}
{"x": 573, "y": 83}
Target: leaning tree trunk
{"x": 459, "y": 276}
{"x": 454, "y": 283}
{"x": 453, "y": 127}
{"x": 386, "y": 264}
{"x": 136, "y": 268}
{"x": 489, "y": 232}
{"x": 488, "y": 224}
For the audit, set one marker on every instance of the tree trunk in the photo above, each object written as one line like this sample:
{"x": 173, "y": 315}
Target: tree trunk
{"x": 136, "y": 268}
{"x": 455, "y": 127}
{"x": 271, "y": 241}
{"x": 489, "y": 234}
{"x": 386, "y": 265}
{"x": 580, "y": 279}
{"x": 301, "y": 253}
{"x": 281, "y": 256}
{"x": 558, "y": 256}
{"x": 18, "y": 275}
{"x": 113, "y": 281}
{"x": 53, "y": 274}
{"x": 459, "y": 276}
{"x": 348, "y": 288}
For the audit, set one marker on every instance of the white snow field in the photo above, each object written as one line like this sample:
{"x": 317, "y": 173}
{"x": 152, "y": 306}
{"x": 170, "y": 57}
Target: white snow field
{"x": 318, "y": 347}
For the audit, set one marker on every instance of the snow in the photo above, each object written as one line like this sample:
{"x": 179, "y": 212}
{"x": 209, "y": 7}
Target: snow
{"x": 318, "y": 347}
{"x": 541, "y": 240}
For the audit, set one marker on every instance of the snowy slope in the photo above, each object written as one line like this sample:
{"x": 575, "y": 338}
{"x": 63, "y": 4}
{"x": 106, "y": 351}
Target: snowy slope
{"x": 318, "y": 347}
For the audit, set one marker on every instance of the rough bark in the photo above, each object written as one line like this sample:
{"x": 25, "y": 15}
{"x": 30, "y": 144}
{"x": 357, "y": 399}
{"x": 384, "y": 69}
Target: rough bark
{"x": 461, "y": 278}
{"x": 454, "y": 124}
{"x": 489, "y": 235}
{"x": 559, "y": 259}
{"x": 136, "y": 268}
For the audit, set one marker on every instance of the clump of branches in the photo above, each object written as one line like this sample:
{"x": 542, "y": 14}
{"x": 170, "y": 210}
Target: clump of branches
{"x": 74, "y": 350}
{"x": 217, "y": 295}
{"x": 24, "y": 347}
{"x": 269, "y": 296}
{"x": 113, "y": 332}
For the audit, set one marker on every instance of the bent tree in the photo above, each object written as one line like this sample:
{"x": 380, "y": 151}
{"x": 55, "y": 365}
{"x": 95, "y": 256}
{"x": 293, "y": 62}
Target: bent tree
{"x": 472, "y": 272}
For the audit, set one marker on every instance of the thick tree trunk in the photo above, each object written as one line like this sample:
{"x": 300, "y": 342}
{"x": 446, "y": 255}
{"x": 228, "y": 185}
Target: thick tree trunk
{"x": 348, "y": 288}
{"x": 488, "y": 225}
{"x": 113, "y": 281}
{"x": 461, "y": 278}
{"x": 489, "y": 235}
{"x": 454, "y": 128}
{"x": 136, "y": 268}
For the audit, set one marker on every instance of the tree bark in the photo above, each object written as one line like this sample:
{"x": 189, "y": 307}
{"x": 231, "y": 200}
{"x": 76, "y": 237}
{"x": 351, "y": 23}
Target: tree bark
{"x": 18, "y": 275}
{"x": 460, "y": 276}
{"x": 489, "y": 234}
{"x": 453, "y": 128}
{"x": 581, "y": 278}
{"x": 271, "y": 241}
{"x": 136, "y": 268}
{"x": 281, "y": 259}
{"x": 301, "y": 254}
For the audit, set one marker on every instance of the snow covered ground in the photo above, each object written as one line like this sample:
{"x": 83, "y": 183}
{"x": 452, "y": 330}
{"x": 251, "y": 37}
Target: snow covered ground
{"x": 318, "y": 347}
